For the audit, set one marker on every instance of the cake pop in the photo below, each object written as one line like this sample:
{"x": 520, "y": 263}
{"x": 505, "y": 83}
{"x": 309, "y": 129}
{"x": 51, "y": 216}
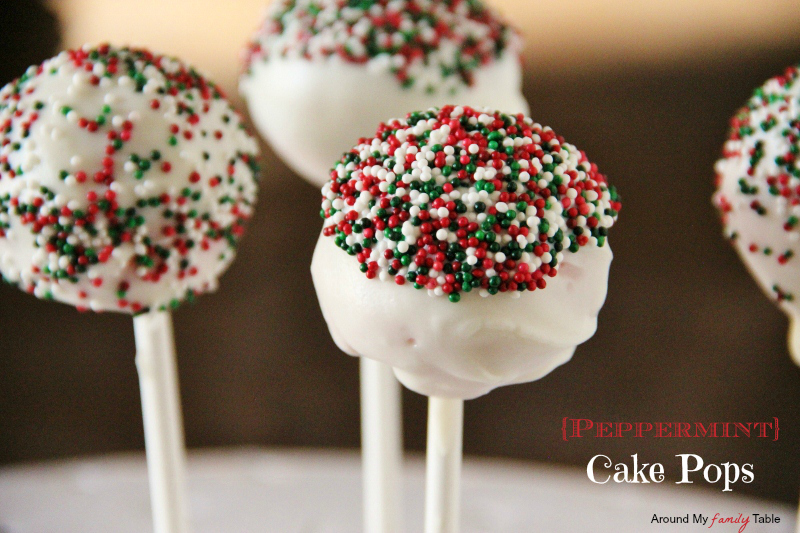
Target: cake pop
{"x": 126, "y": 179}
{"x": 500, "y": 226}
{"x": 758, "y": 192}
{"x": 322, "y": 73}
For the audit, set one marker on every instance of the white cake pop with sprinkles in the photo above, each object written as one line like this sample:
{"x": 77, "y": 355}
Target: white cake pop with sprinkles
{"x": 126, "y": 179}
{"x": 758, "y": 195}
{"x": 322, "y": 73}
{"x": 500, "y": 226}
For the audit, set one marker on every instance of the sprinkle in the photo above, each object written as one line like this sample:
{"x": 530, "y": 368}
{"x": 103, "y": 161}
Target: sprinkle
{"x": 429, "y": 44}
{"x": 479, "y": 226}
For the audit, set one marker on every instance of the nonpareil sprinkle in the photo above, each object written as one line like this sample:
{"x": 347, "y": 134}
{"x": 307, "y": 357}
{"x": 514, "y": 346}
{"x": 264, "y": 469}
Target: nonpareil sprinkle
{"x": 427, "y": 44}
{"x": 458, "y": 199}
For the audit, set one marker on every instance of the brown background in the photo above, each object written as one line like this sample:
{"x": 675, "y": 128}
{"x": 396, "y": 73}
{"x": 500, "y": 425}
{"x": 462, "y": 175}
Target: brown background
{"x": 685, "y": 334}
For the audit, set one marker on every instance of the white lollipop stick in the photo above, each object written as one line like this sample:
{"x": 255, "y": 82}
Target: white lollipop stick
{"x": 794, "y": 338}
{"x": 163, "y": 426}
{"x": 443, "y": 466}
{"x": 381, "y": 447}
{"x": 794, "y": 351}
{"x": 798, "y": 522}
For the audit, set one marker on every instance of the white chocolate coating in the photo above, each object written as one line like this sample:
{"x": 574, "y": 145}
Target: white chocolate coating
{"x": 461, "y": 350}
{"x": 312, "y": 111}
{"x": 765, "y": 232}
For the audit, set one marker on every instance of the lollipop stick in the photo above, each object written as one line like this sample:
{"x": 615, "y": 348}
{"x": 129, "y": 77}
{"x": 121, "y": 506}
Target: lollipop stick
{"x": 794, "y": 337}
{"x": 797, "y": 523}
{"x": 163, "y": 426}
{"x": 381, "y": 447}
{"x": 443, "y": 468}
{"x": 794, "y": 351}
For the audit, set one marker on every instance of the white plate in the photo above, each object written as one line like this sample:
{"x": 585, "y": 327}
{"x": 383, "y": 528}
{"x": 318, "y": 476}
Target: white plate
{"x": 305, "y": 491}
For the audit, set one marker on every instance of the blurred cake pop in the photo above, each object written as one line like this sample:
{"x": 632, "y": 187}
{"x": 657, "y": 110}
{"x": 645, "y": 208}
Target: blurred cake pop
{"x": 758, "y": 196}
{"x": 497, "y": 222}
{"x": 322, "y": 73}
{"x": 125, "y": 180}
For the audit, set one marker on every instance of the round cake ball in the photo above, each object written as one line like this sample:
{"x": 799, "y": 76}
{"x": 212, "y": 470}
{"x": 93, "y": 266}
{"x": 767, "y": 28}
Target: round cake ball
{"x": 758, "y": 194}
{"x": 126, "y": 179}
{"x": 466, "y": 248}
{"x": 322, "y": 73}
